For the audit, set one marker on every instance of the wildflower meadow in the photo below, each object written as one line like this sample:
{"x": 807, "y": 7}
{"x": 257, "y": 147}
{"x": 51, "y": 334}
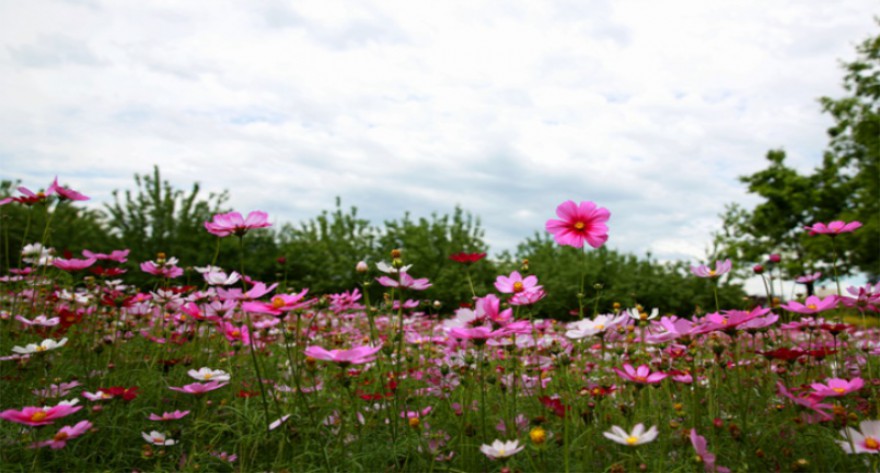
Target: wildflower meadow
{"x": 212, "y": 369}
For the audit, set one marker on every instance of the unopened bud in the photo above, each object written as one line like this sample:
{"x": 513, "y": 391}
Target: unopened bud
{"x": 361, "y": 267}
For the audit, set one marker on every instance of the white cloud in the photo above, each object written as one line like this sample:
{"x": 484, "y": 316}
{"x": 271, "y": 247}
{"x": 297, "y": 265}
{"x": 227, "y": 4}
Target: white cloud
{"x": 649, "y": 108}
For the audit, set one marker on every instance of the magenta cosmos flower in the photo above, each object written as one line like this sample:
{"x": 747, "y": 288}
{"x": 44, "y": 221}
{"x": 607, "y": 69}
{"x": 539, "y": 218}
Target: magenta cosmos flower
{"x": 836, "y": 387}
{"x": 703, "y": 271}
{"x": 35, "y": 416}
{"x": 64, "y": 193}
{"x": 707, "y": 458}
{"x": 579, "y": 223}
{"x": 166, "y": 416}
{"x": 833, "y": 228}
{"x": 642, "y": 374}
{"x": 406, "y": 282}
{"x": 232, "y": 223}
{"x": 515, "y": 283}
{"x": 354, "y": 356}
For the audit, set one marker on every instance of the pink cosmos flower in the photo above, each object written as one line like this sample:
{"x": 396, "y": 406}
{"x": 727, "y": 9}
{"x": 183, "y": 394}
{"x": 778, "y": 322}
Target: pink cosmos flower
{"x": 64, "y": 193}
{"x": 490, "y": 307}
{"x": 232, "y": 223}
{"x": 865, "y": 298}
{"x": 730, "y": 320}
{"x": 406, "y": 282}
{"x": 706, "y": 457}
{"x": 527, "y": 297}
{"x": 579, "y": 224}
{"x": 120, "y": 256}
{"x": 813, "y": 305}
{"x": 166, "y": 416}
{"x": 833, "y": 228}
{"x": 158, "y": 438}
{"x": 279, "y": 304}
{"x": 703, "y": 271}
{"x": 73, "y": 264}
{"x": 198, "y": 388}
{"x": 40, "y": 320}
{"x": 836, "y": 387}
{"x": 166, "y": 270}
{"x": 515, "y": 283}
{"x": 35, "y": 416}
{"x": 64, "y": 434}
{"x": 864, "y": 440}
{"x": 642, "y": 374}
{"x": 234, "y": 333}
{"x": 808, "y": 278}
{"x": 355, "y": 356}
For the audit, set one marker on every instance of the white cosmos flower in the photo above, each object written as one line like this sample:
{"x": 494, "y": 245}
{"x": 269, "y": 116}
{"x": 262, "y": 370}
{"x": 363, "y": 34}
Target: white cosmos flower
{"x": 45, "y": 345}
{"x": 637, "y": 314}
{"x": 158, "y": 438}
{"x": 219, "y": 278}
{"x": 638, "y": 435}
{"x": 207, "y": 374}
{"x": 500, "y": 449}
{"x": 586, "y": 328}
{"x": 387, "y": 268}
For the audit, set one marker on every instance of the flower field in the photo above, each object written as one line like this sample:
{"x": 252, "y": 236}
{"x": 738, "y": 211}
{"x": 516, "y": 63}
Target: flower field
{"x": 235, "y": 374}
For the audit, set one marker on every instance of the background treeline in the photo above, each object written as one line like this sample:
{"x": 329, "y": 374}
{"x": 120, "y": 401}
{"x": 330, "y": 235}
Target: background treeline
{"x": 321, "y": 253}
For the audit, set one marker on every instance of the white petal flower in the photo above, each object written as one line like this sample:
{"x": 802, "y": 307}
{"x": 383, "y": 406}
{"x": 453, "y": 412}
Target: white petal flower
{"x": 158, "y": 438}
{"x": 638, "y": 435}
{"x": 45, "y": 345}
{"x": 207, "y": 374}
{"x": 500, "y": 449}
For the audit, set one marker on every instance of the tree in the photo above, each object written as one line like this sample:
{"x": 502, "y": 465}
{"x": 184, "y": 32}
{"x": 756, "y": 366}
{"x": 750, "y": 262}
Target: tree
{"x": 845, "y": 186}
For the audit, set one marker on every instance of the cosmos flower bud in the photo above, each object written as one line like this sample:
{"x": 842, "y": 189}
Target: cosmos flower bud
{"x": 758, "y": 269}
{"x": 774, "y": 258}
{"x": 362, "y": 267}
{"x": 395, "y": 254}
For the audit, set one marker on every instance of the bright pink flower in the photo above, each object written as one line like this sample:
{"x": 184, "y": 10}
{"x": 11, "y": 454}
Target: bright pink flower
{"x": 478, "y": 334}
{"x": 73, "y": 264}
{"x": 279, "y": 304}
{"x": 406, "y": 281}
{"x": 527, "y": 297}
{"x": 167, "y": 269}
{"x": 515, "y": 283}
{"x": 703, "y": 271}
{"x": 166, "y": 416}
{"x": 64, "y": 193}
{"x": 706, "y": 457}
{"x": 234, "y": 333}
{"x": 642, "y": 374}
{"x": 64, "y": 434}
{"x": 198, "y": 388}
{"x": 580, "y": 223}
{"x": 232, "y": 223}
{"x": 813, "y": 305}
{"x": 731, "y": 320}
{"x": 490, "y": 307}
{"x": 833, "y": 228}
{"x": 35, "y": 416}
{"x": 836, "y": 387}
{"x": 40, "y": 320}
{"x": 354, "y": 356}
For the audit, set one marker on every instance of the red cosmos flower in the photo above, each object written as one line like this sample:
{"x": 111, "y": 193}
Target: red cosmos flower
{"x": 787, "y": 354}
{"x": 555, "y": 404}
{"x": 127, "y": 394}
{"x": 467, "y": 258}
{"x": 579, "y": 224}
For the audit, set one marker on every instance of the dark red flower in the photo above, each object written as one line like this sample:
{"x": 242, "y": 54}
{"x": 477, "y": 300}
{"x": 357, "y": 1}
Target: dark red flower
{"x": 467, "y": 258}
{"x": 555, "y": 405}
{"x": 786, "y": 354}
{"x": 126, "y": 394}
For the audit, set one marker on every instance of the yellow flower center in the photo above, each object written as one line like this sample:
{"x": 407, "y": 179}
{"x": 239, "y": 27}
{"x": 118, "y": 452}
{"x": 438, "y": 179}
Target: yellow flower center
{"x": 414, "y": 422}
{"x": 38, "y": 416}
{"x": 277, "y": 302}
{"x": 640, "y": 379}
{"x": 600, "y": 327}
{"x": 60, "y": 436}
{"x": 632, "y": 440}
{"x": 207, "y": 376}
{"x": 158, "y": 440}
{"x": 518, "y": 287}
{"x": 711, "y": 272}
{"x": 812, "y": 306}
{"x": 872, "y": 443}
{"x": 41, "y": 348}
{"x": 839, "y": 390}
{"x": 502, "y": 453}
{"x": 579, "y": 225}
{"x": 538, "y": 435}
{"x": 236, "y": 333}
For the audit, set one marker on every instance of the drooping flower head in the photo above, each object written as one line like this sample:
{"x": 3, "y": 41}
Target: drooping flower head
{"x": 233, "y": 223}
{"x": 579, "y": 224}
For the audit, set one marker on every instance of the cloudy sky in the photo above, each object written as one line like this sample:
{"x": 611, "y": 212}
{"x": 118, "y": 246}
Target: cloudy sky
{"x": 651, "y": 109}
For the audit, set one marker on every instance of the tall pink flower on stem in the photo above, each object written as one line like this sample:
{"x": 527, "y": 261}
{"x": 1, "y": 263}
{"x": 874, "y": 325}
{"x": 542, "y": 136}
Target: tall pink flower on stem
{"x": 406, "y": 282}
{"x": 515, "y": 283}
{"x": 354, "y": 356}
{"x": 642, "y": 374}
{"x": 199, "y": 388}
{"x": 64, "y": 434}
{"x": 63, "y": 192}
{"x": 706, "y": 457}
{"x": 836, "y": 387}
{"x": 813, "y": 305}
{"x": 579, "y": 224}
{"x": 703, "y": 271}
{"x": 834, "y": 228}
{"x": 233, "y": 223}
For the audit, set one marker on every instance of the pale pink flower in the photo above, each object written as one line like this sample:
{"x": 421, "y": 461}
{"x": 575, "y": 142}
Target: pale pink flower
{"x": 40, "y": 320}
{"x": 500, "y": 449}
{"x": 638, "y": 436}
{"x": 703, "y": 271}
{"x": 45, "y": 345}
{"x": 808, "y": 278}
{"x": 64, "y": 434}
{"x": 208, "y": 374}
{"x": 64, "y": 193}
{"x": 864, "y": 440}
{"x": 515, "y": 283}
{"x": 120, "y": 256}
{"x": 232, "y": 223}
{"x": 198, "y": 388}
{"x": 813, "y": 305}
{"x": 355, "y": 356}
{"x": 406, "y": 282}
{"x": 166, "y": 416}
{"x": 73, "y": 264}
{"x": 706, "y": 457}
{"x": 579, "y": 224}
{"x": 277, "y": 422}
{"x": 158, "y": 438}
